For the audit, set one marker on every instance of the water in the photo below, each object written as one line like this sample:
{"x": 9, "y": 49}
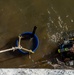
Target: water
{"x": 51, "y": 17}
{"x": 27, "y": 42}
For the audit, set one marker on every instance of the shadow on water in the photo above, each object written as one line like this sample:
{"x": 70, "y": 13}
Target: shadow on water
{"x": 10, "y": 54}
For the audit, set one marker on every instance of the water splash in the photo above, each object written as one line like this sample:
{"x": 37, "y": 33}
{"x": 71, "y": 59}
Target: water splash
{"x": 56, "y": 26}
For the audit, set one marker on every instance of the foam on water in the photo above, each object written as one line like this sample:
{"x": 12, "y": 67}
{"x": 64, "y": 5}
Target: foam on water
{"x": 55, "y": 31}
{"x": 71, "y": 20}
{"x": 53, "y": 9}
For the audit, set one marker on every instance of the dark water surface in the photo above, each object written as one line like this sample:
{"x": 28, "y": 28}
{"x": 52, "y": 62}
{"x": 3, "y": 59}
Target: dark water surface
{"x": 52, "y": 17}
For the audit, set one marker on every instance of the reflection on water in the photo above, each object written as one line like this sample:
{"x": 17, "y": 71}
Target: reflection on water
{"x": 52, "y": 19}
